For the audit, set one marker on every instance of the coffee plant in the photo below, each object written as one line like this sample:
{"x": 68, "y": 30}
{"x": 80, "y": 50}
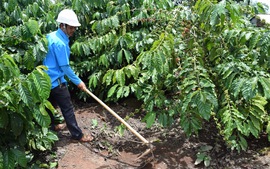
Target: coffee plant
{"x": 25, "y": 87}
{"x": 197, "y": 61}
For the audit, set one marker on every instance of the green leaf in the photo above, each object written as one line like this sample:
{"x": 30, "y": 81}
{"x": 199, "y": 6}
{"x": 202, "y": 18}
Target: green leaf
{"x": 218, "y": 11}
{"x": 237, "y": 86}
{"x": 20, "y": 157}
{"x": 32, "y": 27}
{"x": 257, "y": 107}
{"x": 230, "y": 79}
{"x": 188, "y": 99}
{"x": 149, "y": 119}
{"x": 107, "y": 78}
{"x": 254, "y": 40}
{"x": 8, "y": 159}
{"x": 126, "y": 91}
{"x": 227, "y": 72}
{"x": 86, "y": 49}
{"x": 41, "y": 82}
{"x": 42, "y": 120}
{"x": 253, "y": 129}
{"x": 204, "y": 108}
{"x": 121, "y": 128}
{"x": 120, "y": 77}
{"x": 115, "y": 21}
{"x": 10, "y": 99}
{"x": 103, "y": 61}
{"x": 3, "y": 119}
{"x": 25, "y": 93}
{"x": 112, "y": 90}
{"x": 47, "y": 104}
{"x": 249, "y": 88}
{"x": 132, "y": 70}
{"x": 53, "y": 164}
{"x": 236, "y": 113}
{"x": 243, "y": 142}
{"x": 195, "y": 124}
{"x": 120, "y": 56}
{"x": 256, "y": 122}
{"x": 93, "y": 81}
{"x": 207, "y": 161}
{"x": 52, "y": 136}
{"x": 199, "y": 159}
{"x": 94, "y": 123}
{"x": 265, "y": 82}
{"x": 234, "y": 9}
{"x": 42, "y": 109}
{"x": 76, "y": 48}
{"x": 268, "y": 130}
{"x": 17, "y": 124}
{"x": 128, "y": 56}
{"x": 120, "y": 92}
{"x": 163, "y": 119}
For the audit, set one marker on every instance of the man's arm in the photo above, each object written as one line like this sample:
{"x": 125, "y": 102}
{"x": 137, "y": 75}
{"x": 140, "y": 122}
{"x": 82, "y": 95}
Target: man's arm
{"x": 73, "y": 77}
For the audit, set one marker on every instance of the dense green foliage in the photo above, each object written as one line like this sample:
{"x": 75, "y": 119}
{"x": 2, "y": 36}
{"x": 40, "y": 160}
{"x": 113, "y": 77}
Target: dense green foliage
{"x": 197, "y": 61}
{"x": 203, "y": 61}
{"x": 24, "y": 86}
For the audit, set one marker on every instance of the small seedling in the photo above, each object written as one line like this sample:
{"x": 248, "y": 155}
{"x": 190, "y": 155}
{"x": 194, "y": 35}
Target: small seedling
{"x": 121, "y": 129}
{"x": 203, "y": 155}
{"x": 94, "y": 123}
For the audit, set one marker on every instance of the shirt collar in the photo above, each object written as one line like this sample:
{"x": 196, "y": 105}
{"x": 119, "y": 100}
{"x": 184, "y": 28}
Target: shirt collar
{"x": 63, "y": 35}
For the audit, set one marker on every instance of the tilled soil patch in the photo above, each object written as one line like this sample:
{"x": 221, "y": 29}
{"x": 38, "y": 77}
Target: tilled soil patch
{"x": 173, "y": 150}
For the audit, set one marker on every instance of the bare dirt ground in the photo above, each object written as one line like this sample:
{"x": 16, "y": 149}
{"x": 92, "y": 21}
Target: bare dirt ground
{"x": 173, "y": 150}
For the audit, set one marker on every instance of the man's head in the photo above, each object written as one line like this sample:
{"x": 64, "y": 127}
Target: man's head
{"x": 68, "y": 21}
{"x": 69, "y": 30}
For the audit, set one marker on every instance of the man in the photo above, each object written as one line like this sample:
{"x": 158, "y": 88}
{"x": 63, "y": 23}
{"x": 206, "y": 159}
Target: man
{"x": 57, "y": 61}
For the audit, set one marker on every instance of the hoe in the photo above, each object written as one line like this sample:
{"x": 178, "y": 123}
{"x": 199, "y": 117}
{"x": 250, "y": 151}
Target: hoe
{"x": 146, "y": 142}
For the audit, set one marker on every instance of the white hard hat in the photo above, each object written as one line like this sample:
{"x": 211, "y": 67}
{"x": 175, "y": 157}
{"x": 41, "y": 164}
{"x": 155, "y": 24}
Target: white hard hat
{"x": 69, "y": 17}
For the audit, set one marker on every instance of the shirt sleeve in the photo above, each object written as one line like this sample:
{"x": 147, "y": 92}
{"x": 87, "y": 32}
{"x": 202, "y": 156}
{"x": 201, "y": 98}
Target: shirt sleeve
{"x": 70, "y": 74}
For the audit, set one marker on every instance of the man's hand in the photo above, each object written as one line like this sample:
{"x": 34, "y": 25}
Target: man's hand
{"x": 82, "y": 86}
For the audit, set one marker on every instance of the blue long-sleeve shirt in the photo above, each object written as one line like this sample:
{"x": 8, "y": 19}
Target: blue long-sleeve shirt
{"x": 57, "y": 59}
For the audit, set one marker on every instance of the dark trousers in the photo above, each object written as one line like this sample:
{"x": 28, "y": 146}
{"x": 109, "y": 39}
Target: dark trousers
{"x": 60, "y": 96}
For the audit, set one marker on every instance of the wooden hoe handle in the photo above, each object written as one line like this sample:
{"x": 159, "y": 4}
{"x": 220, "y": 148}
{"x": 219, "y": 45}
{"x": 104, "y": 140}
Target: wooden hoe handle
{"x": 118, "y": 117}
